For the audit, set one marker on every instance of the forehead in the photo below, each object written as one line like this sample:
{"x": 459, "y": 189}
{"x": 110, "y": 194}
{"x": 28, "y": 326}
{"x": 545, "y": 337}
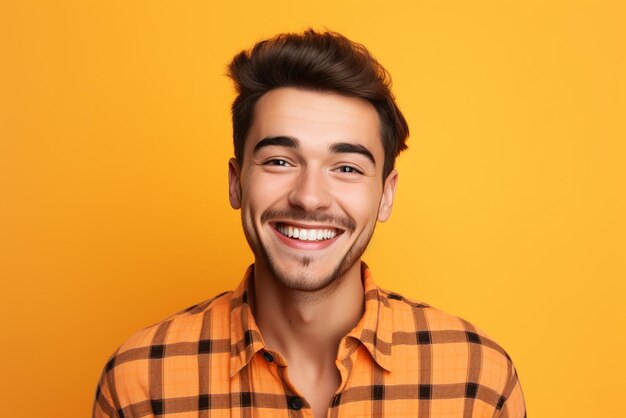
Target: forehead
{"x": 315, "y": 119}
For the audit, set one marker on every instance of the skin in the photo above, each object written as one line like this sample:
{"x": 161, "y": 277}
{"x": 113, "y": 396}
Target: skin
{"x": 305, "y": 164}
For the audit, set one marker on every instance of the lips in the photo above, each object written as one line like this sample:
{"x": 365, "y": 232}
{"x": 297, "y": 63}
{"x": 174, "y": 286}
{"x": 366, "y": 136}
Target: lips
{"x": 306, "y": 238}
{"x": 306, "y": 234}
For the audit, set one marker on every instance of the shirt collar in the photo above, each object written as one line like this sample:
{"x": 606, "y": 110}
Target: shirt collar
{"x": 245, "y": 336}
{"x": 373, "y": 331}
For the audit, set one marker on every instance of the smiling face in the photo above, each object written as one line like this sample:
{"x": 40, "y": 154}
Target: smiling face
{"x": 310, "y": 185}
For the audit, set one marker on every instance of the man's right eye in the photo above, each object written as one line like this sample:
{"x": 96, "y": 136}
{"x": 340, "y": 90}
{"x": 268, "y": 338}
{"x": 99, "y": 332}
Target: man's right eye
{"x": 277, "y": 162}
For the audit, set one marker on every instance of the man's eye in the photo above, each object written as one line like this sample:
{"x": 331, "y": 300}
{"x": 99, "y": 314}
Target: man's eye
{"x": 348, "y": 169}
{"x": 278, "y": 162}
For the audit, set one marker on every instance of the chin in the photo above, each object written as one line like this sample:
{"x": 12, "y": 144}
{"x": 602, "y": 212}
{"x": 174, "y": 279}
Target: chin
{"x": 304, "y": 277}
{"x": 309, "y": 275}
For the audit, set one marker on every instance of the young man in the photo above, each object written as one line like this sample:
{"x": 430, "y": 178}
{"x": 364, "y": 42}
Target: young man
{"x": 307, "y": 332}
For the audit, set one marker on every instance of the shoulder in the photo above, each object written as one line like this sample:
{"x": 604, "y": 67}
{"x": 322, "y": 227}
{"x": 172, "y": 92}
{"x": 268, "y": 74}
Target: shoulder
{"x": 440, "y": 327}
{"x": 455, "y": 352}
{"x": 132, "y": 369}
{"x": 181, "y": 327}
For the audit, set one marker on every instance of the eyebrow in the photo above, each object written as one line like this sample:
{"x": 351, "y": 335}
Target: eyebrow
{"x": 346, "y": 147}
{"x": 277, "y": 141}
{"x": 337, "y": 148}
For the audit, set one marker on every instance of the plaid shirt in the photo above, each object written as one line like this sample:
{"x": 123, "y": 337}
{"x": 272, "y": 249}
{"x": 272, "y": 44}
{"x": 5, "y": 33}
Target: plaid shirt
{"x": 402, "y": 359}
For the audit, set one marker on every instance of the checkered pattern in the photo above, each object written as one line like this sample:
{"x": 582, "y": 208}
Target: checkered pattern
{"x": 403, "y": 359}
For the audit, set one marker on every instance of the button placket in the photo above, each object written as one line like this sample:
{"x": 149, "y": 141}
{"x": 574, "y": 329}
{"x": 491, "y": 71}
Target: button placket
{"x": 296, "y": 403}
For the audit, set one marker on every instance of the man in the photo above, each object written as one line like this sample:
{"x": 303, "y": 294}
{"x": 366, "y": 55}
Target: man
{"x": 307, "y": 333}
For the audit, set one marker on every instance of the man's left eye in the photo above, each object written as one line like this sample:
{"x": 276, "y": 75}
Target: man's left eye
{"x": 348, "y": 169}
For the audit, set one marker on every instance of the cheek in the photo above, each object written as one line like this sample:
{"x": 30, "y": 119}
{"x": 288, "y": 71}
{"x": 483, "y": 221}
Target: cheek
{"x": 359, "y": 201}
{"x": 263, "y": 192}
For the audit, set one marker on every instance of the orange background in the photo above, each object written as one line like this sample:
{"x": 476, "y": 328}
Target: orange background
{"x": 510, "y": 212}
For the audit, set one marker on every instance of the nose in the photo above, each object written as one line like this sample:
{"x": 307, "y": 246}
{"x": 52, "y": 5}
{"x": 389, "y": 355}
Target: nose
{"x": 310, "y": 191}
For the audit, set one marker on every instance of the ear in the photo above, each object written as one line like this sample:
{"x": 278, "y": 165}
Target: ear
{"x": 234, "y": 186}
{"x": 389, "y": 191}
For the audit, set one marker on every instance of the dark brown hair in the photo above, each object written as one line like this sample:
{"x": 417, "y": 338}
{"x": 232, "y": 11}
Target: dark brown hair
{"x": 321, "y": 61}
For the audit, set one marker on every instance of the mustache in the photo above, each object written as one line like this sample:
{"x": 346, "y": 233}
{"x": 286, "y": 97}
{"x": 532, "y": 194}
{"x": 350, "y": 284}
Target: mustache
{"x": 313, "y": 217}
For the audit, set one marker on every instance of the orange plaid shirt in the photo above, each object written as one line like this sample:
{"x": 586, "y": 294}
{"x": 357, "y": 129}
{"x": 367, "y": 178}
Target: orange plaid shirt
{"x": 402, "y": 359}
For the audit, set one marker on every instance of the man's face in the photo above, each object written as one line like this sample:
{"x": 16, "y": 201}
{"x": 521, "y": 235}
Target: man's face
{"x": 310, "y": 186}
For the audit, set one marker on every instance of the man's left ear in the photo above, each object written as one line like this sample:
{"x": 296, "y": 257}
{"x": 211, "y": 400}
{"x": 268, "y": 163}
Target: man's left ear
{"x": 389, "y": 191}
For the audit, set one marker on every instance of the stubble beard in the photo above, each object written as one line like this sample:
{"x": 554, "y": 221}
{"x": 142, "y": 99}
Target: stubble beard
{"x": 306, "y": 281}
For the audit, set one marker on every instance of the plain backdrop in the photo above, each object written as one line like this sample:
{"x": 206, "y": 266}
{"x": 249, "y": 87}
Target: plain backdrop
{"x": 510, "y": 211}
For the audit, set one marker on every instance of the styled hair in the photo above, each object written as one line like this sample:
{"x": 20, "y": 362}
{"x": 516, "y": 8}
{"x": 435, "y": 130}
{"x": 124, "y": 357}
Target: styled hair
{"x": 318, "y": 61}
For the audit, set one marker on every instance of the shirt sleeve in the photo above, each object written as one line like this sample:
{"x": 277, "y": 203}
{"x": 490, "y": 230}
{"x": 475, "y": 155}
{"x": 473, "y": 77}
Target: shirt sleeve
{"x": 103, "y": 403}
{"x": 514, "y": 406}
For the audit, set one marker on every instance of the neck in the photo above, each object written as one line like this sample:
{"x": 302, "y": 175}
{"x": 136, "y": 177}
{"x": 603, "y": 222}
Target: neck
{"x": 307, "y": 326}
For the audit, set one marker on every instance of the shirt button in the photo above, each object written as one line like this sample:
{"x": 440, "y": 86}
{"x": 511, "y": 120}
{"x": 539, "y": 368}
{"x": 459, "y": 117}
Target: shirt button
{"x": 268, "y": 356}
{"x": 296, "y": 403}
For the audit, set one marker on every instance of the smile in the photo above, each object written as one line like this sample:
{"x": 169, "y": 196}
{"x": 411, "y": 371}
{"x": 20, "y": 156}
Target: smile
{"x": 306, "y": 234}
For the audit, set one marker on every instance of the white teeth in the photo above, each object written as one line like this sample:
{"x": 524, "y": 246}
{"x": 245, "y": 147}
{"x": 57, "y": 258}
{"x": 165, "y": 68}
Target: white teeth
{"x": 306, "y": 234}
